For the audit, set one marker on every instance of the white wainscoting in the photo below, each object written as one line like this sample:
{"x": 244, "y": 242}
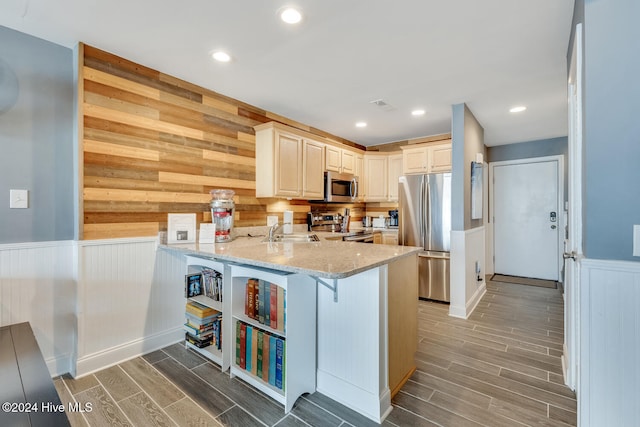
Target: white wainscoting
{"x": 467, "y": 248}
{"x": 130, "y": 301}
{"x": 353, "y": 345}
{"x": 609, "y": 373}
{"x": 37, "y": 285}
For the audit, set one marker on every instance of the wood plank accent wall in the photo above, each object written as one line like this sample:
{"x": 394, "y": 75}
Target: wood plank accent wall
{"x": 153, "y": 144}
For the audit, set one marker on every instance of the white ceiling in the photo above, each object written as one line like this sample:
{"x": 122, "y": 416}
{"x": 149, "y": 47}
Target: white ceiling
{"x": 490, "y": 54}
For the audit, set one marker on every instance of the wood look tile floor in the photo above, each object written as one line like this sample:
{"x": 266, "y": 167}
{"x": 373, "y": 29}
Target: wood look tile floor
{"x": 501, "y": 367}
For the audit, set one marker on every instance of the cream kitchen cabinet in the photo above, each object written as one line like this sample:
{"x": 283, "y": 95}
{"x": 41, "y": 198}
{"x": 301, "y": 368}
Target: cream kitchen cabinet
{"x": 289, "y": 164}
{"x": 360, "y": 174}
{"x": 427, "y": 158}
{"x": 376, "y": 177}
{"x": 395, "y": 162}
{"x": 312, "y": 169}
{"x": 340, "y": 160}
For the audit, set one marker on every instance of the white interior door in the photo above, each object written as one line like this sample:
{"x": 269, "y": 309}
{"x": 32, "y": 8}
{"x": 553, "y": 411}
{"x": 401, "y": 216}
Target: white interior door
{"x": 526, "y": 217}
{"x": 573, "y": 244}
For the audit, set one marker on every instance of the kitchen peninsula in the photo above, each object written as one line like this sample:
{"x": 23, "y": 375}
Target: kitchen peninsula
{"x": 366, "y": 334}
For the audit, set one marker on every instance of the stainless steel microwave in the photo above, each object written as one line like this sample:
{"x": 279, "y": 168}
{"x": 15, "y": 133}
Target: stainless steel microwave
{"x": 340, "y": 187}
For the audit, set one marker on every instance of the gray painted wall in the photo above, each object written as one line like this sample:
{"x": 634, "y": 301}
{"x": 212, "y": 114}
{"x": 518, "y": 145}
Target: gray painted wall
{"x": 467, "y": 137}
{"x": 530, "y": 149}
{"x": 612, "y": 128}
{"x": 36, "y": 140}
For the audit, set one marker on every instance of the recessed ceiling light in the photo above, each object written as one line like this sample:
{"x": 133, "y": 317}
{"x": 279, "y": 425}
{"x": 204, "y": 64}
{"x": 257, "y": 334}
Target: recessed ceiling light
{"x": 361, "y": 124}
{"x": 417, "y": 113}
{"x": 518, "y": 109}
{"x": 221, "y": 56}
{"x": 291, "y": 15}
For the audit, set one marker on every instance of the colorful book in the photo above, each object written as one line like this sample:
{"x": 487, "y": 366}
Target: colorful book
{"x": 249, "y": 347}
{"x": 260, "y": 354}
{"x": 272, "y": 360}
{"x": 265, "y": 357}
{"x": 261, "y": 293}
{"x": 280, "y": 309}
{"x": 254, "y": 351}
{"x": 256, "y": 303}
{"x": 273, "y": 306}
{"x": 279, "y": 362}
{"x": 193, "y": 285}
{"x": 267, "y": 304}
{"x": 198, "y": 332}
{"x": 243, "y": 345}
{"x": 251, "y": 298}
{"x": 200, "y": 310}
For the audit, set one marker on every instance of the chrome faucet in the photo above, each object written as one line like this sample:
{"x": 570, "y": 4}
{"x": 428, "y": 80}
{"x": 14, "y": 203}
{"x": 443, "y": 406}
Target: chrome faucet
{"x": 274, "y": 229}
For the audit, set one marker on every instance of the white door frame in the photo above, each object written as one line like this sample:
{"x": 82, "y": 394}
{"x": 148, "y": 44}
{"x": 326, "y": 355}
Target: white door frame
{"x": 571, "y": 353}
{"x": 560, "y": 214}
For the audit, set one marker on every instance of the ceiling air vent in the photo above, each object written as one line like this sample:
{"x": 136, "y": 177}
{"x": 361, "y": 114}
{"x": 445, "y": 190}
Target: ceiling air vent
{"x": 382, "y": 104}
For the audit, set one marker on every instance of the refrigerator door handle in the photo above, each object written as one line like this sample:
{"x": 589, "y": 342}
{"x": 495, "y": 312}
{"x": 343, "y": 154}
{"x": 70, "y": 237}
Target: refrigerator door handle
{"x": 423, "y": 213}
{"x": 428, "y": 228}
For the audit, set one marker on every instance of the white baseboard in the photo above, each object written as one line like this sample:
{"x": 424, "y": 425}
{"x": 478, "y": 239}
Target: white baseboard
{"x": 366, "y": 403}
{"x": 112, "y": 356}
{"x": 59, "y": 365}
{"x": 471, "y": 304}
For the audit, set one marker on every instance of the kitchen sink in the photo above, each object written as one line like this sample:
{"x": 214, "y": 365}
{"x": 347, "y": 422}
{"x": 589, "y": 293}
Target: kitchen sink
{"x": 295, "y": 238}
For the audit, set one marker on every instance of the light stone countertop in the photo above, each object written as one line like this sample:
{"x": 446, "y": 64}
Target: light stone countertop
{"x": 326, "y": 258}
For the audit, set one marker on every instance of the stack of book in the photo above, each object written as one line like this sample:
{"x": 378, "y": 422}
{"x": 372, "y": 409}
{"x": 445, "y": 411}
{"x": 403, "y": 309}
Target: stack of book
{"x": 261, "y": 353}
{"x": 203, "y": 326}
{"x": 266, "y": 303}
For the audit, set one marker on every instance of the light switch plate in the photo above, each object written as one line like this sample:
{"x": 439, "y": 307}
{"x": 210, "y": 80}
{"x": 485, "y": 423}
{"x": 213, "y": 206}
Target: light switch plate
{"x": 272, "y": 220}
{"x": 18, "y": 199}
{"x": 636, "y": 240}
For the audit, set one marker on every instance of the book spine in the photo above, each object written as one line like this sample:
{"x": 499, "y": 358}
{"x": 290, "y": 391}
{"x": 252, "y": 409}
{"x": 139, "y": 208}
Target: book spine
{"x": 243, "y": 345}
{"x": 251, "y": 298}
{"x": 260, "y": 354}
{"x": 238, "y": 343}
{"x": 249, "y": 347}
{"x": 254, "y": 351}
{"x": 265, "y": 357}
{"x": 256, "y": 302}
{"x": 272, "y": 360}
{"x": 279, "y": 360}
{"x": 280, "y": 309}
{"x": 261, "y": 293}
{"x": 273, "y": 306}
{"x": 267, "y": 304}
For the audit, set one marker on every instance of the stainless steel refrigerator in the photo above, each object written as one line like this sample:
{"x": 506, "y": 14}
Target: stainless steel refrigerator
{"x": 424, "y": 219}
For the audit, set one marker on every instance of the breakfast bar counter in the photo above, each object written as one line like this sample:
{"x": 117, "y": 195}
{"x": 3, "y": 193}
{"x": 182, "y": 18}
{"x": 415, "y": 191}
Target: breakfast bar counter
{"x": 366, "y": 310}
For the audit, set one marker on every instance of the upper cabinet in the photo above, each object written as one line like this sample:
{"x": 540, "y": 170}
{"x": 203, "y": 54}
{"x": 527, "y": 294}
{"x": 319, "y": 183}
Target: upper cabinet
{"x": 395, "y": 172}
{"x": 291, "y": 163}
{"x": 427, "y": 158}
{"x": 376, "y": 177}
{"x": 312, "y": 169}
{"x": 340, "y": 160}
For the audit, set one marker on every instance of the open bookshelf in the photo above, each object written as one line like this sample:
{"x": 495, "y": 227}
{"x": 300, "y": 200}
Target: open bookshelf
{"x": 212, "y": 293}
{"x": 293, "y": 332}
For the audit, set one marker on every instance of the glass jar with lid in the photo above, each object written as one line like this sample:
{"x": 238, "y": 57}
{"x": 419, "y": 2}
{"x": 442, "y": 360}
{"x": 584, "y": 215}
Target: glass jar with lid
{"x": 222, "y": 213}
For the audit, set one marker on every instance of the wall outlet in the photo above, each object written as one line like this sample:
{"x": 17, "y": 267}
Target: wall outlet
{"x": 636, "y": 240}
{"x": 272, "y": 220}
{"x": 18, "y": 199}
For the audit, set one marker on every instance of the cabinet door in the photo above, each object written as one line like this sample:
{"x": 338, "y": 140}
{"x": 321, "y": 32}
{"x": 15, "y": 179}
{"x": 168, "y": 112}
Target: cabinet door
{"x": 415, "y": 160}
{"x": 313, "y": 170}
{"x": 389, "y": 239}
{"x": 333, "y": 158}
{"x": 376, "y": 178}
{"x": 440, "y": 158}
{"x": 288, "y": 165}
{"x": 348, "y": 162}
{"x": 395, "y": 172}
{"x": 360, "y": 174}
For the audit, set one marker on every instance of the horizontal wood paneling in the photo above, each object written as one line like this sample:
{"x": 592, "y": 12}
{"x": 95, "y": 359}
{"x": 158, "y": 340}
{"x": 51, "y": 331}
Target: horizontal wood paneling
{"x": 154, "y": 144}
